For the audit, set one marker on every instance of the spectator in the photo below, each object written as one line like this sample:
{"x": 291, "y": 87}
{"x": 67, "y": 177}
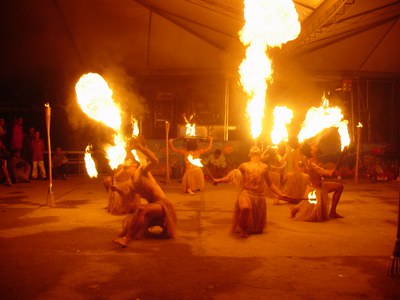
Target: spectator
{"x": 21, "y": 168}
{"x": 26, "y": 144}
{"x": 3, "y": 132}
{"x": 37, "y": 145}
{"x": 60, "y": 164}
{"x": 215, "y": 164}
{"x": 4, "y": 156}
{"x": 17, "y": 134}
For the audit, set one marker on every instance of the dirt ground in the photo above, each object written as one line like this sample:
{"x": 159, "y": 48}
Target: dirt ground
{"x": 66, "y": 252}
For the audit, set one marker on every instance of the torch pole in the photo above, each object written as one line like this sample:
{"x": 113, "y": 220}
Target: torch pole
{"x": 167, "y": 125}
{"x": 50, "y": 197}
{"x": 356, "y": 178}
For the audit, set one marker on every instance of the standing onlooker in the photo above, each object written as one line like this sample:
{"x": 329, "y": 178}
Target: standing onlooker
{"x": 60, "y": 163}
{"x": 27, "y": 145}
{"x": 4, "y": 156}
{"x": 37, "y": 157}
{"x": 17, "y": 134}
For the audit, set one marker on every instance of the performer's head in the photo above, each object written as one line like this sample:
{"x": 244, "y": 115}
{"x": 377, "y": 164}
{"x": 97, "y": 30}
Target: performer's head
{"x": 255, "y": 152}
{"x": 307, "y": 150}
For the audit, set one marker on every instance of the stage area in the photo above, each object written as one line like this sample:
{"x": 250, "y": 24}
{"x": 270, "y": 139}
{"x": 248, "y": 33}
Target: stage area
{"x": 66, "y": 252}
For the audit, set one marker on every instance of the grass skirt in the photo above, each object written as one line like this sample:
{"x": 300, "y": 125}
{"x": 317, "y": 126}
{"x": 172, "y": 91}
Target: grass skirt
{"x": 193, "y": 179}
{"x": 296, "y": 184}
{"x": 121, "y": 204}
{"x": 258, "y": 212}
{"x": 306, "y": 211}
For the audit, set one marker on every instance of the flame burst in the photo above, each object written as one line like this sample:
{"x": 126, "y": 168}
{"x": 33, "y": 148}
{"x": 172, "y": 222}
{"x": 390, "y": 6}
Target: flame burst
{"x": 312, "y": 197}
{"x": 95, "y": 99}
{"x": 268, "y": 24}
{"x": 195, "y": 161}
{"x": 323, "y": 117}
{"x": 89, "y": 163}
{"x": 282, "y": 117}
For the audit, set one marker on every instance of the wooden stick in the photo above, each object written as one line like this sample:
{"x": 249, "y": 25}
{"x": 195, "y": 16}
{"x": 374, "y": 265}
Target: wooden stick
{"x": 357, "y": 154}
{"x": 167, "y": 126}
{"x": 50, "y": 197}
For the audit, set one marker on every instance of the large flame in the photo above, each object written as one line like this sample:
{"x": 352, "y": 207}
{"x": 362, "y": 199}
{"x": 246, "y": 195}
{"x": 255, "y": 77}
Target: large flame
{"x": 89, "y": 163}
{"x": 268, "y": 23}
{"x": 195, "y": 161}
{"x": 282, "y": 117}
{"x": 323, "y": 117}
{"x": 95, "y": 98}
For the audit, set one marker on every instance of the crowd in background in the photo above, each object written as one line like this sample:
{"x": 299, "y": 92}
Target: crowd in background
{"x": 22, "y": 154}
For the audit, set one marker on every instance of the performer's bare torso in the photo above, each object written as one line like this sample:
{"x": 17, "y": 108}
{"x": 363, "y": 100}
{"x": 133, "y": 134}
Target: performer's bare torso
{"x": 255, "y": 176}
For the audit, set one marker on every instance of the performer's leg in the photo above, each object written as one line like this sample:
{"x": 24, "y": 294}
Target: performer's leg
{"x": 140, "y": 221}
{"x": 337, "y": 189}
{"x": 244, "y": 215}
{"x": 42, "y": 169}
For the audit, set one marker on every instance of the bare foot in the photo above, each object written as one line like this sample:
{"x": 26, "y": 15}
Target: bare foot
{"x": 335, "y": 215}
{"x": 293, "y": 212}
{"x": 244, "y": 234}
{"x": 189, "y": 191}
{"x": 123, "y": 242}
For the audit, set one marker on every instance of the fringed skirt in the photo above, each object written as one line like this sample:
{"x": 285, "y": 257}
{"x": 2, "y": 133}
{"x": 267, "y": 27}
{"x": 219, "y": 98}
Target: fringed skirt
{"x": 193, "y": 179}
{"x": 118, "y": 204}
{"x": 258, "y": 212}
{"x": 317, "y": 211}
{"x": 296, "y": 184}
{"x": 275, "y": 179}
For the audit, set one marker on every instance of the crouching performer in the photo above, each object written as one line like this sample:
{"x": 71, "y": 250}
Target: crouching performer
{"x": 157, "y": 213}
{"x": 250, "y": 212}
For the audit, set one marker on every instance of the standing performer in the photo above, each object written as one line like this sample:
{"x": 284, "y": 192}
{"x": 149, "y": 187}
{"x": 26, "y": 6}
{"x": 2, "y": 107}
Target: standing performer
{"x": 193, "y": 178}
{"x": 250, "y": 212}
{"x": 318, "y": 212}
{"x": 158, "y": 212}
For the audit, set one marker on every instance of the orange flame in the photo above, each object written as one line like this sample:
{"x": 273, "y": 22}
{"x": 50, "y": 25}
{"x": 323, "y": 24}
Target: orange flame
{"x": 319, "y": 118}
{"x": 89, "y": 163}
{"x": 268, "y": 24}
{"x": 195, "y": 161}
{"x": 190, "y": 129}
{"x": 95, "y": 99}
{"x": 282, "y": 117}
{"x": 312, "y": 198}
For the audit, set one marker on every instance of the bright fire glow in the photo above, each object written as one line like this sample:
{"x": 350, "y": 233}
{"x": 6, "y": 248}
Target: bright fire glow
{"x": 312, "y": 198}
{"x": 89, "y": 163}
{"x": 282, "y": 117}
{"x": 135, "y": 128}
{"x": 195, "y": 161}
{"x": 95, "y": 98}
{"x": 323, "y": 117}
{"x": 268, "y": 23}
{"x": 359, "y": 124}
{"x": 190, "y": 129}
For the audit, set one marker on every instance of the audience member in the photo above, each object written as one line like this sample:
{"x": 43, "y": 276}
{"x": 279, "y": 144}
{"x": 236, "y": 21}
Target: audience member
{"x": 37, "y": 145}
{"x": 215, "y": 164}
{"x": 21, "y": 168}
{"x": 17, "y": 135}
{"x": 4, "y": 157}
{"x": 59, "y": 164}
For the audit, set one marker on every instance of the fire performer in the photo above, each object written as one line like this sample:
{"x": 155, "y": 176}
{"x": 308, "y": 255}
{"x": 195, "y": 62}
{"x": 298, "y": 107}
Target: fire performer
{"x": 120, "y": 200}
{"x": 317, "y": 212}
{"x": 193, "y": 178}
{"x": 250, "y": 212}
{"x": 158, "y": 212}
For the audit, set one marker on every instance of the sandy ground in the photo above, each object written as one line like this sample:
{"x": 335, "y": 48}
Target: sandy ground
{"x": 66, "y": 252}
